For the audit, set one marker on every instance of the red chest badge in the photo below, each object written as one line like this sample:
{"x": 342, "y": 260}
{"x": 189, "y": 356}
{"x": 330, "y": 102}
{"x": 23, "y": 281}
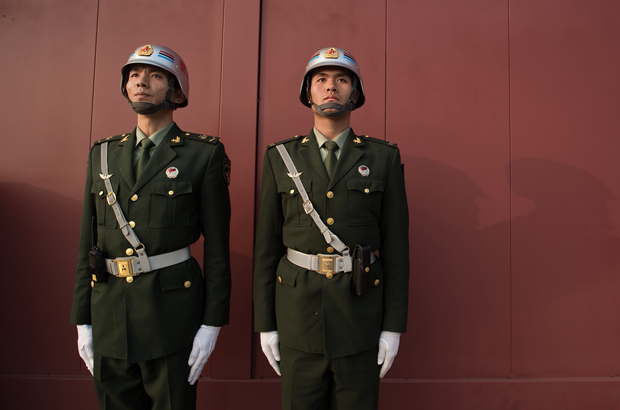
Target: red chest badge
{"x": 364, "y": 170}
{"x": 172, "y": 172}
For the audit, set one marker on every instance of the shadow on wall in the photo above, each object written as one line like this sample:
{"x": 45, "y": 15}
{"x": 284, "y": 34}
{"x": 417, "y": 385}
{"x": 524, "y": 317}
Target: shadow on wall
{"x": 459, "y": 297}
{"x": 40, "y": 231}
{"x": 542, "y": 284}
{"x": 565, "y": 272}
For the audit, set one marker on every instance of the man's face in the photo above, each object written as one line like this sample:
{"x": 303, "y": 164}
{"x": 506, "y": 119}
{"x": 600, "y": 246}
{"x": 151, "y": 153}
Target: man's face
{"x": 330, "y": 85}
{"x": 147, "y": 83}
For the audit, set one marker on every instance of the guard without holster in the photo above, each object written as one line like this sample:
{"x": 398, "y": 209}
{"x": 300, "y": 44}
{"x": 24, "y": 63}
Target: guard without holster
{"x": 361, "y": 267}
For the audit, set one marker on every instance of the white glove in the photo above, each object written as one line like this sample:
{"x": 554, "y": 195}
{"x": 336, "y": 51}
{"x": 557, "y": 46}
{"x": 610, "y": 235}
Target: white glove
{"x": 204, "y": 343}
{"x": 270, "y": 343}
{"x": 85, "y": 345}
{"x": 388, "y": 348}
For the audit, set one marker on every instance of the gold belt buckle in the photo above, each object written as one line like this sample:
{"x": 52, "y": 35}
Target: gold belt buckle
{"x": 124, "y": 268}
{"x": 326, "y": 265}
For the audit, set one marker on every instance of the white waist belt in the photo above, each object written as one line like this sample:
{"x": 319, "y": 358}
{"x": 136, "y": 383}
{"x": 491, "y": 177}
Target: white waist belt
{"x": 323, "y": 264}
{"x": 130, "y": 266}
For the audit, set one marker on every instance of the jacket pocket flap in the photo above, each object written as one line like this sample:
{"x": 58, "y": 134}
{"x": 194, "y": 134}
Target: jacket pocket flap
{"x": 365, "y": 185}
{"x": 171, "y": 189}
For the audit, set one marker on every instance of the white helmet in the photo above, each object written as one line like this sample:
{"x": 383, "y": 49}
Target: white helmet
{"x": 333, "y": 56}
{"x": 161, "y": 57}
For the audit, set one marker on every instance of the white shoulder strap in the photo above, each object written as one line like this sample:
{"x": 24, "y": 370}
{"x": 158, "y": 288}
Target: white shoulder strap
{"x": 129, "y": 234}
{"x": 329, "y": 236}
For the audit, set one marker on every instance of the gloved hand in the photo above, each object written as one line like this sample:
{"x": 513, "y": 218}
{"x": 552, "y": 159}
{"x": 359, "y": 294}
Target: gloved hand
{"x": 270, "y": 343}
{"x": 85, "y": 345}
{"x": 204, "y": 343}
{"x": 388, "y": 348}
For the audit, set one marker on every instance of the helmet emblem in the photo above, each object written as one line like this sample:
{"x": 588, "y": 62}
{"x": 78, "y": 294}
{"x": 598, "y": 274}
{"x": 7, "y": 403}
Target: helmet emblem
{"x": 331, "y": 53}
{"x": 147, "y": 50}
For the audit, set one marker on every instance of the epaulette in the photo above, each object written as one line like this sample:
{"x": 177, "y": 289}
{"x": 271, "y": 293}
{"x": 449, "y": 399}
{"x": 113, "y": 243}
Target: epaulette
{"x": 283, "y": 141}
{"x": 112, "y": 138}
{"x": 201, "y": 137}
{"x": 378, "y": 141}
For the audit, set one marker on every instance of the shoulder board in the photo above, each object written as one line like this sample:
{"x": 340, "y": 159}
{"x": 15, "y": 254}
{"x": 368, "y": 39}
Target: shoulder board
{"x": 378, "y": 141}
{"x": 283, "y": 141}
{"x": 112, "y": 138}
{"x": 201, "y": 137}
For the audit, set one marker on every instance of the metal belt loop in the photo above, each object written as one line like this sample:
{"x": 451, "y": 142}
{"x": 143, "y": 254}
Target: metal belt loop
{"x": 329, "y": 236}
{"x": 129, "y": 233}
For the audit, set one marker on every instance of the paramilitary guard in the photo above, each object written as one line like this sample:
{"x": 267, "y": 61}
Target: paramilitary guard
{"x": 147, "y": 316}
{"x": 329, "y": 310}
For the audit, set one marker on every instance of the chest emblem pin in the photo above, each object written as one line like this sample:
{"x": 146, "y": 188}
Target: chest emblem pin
{"x": 364, "y": 170}
{"x": 172, "y": 172}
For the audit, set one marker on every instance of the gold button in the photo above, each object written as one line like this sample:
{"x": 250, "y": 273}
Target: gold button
{"x": 367, "y": 269}
{"x": 100, "y": 193}
{"x": 129, "y": 251}
{"x": 171, "y": 192}
{"x": 330, "y": 194}
{"x": 129, "y": 279}
{"x": 367, "y": 190}
{"x": 330, "y": 221}
{"x": 134, "y": 197}
{"x": 377, "y": 282}
{"x": 292, "y": 191}
{"x": 330, "y": 249}
{"x": 94, "y": 277}
{"x": 329, "y": 275}
{"x": 187, "y": 284}
{"x": 92, "y": 284}
{"x": 280, "y": 279}
{"x": 132, "y": 224}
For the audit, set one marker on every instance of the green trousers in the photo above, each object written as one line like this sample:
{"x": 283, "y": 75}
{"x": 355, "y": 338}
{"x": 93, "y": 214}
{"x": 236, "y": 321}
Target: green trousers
{"x": 158, "y": 384}
{"x": 311, "y": 382}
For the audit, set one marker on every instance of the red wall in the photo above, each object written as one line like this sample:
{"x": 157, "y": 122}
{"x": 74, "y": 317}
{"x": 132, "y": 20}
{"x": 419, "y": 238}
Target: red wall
{"x": 506, "y": 114}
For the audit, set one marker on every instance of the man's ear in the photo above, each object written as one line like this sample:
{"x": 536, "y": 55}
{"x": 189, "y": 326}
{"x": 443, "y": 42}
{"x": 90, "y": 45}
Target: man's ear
{"x": 178, "y": 97}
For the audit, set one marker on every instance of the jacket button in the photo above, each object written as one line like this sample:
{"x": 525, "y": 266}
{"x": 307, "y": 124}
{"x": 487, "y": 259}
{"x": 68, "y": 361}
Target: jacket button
{"x": 171, "y": 192}
{"x": 100, "y": 193}
{"x": 292, "y": 191}
{"x": 330, "y": 249}
{"x": 92, "y": 284}
{"x": 329, "y": 275}
{"x": 330, "y": 194}
{"x": 187, "y": 284}
{"x": 330, "y": 221}
{"x": 134, "y": 198}
{"x": 280, "y": 279}
{"x": 367, "y": 191}
{"x": 129, "y": 279}
{"x": 377, "y": 282}
{"x": 129, "y": 251}
{"x": 132, "y": 224}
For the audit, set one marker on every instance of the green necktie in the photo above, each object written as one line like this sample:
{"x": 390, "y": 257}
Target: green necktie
{"x": 330, "y": 159}
{"x": 147, "y": 144}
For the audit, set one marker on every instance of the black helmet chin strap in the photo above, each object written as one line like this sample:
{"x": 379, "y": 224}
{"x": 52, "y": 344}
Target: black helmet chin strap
{"x": 145, "y": 108}
{"x": 340, "y": 109}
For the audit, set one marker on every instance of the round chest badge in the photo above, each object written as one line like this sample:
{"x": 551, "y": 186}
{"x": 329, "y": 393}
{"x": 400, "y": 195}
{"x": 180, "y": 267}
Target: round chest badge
{"x": 364, "y": 170}
{"x": 172, "y": 172}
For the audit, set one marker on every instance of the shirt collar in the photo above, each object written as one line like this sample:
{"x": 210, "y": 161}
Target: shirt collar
{"x": 157, "y": 136}
{"x": 340, "y": 138}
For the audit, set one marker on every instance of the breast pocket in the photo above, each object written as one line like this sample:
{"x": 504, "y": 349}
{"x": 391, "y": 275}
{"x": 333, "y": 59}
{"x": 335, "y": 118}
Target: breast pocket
{"x": 292, "y": 202}
{"x": 105, "y": 213}
{"x": 364, "y": 199}
{"x": 169, "y": 203}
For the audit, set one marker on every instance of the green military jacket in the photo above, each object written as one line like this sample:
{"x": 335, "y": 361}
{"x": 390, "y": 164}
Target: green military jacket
{"x": 160, "y": 311}
{"x": 311, "y": 312}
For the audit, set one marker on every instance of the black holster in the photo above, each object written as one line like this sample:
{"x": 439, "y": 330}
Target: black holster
{"x": 361, "y": 267}
{"x": 96, "y": 261}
